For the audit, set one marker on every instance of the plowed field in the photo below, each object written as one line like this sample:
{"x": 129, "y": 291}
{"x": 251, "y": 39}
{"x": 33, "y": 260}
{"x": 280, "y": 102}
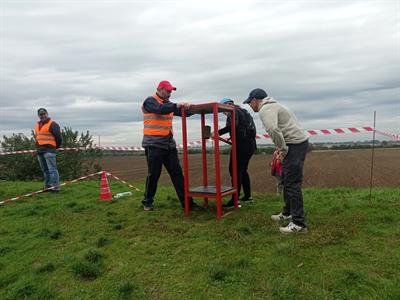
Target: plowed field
{"x": 322, "y": 169}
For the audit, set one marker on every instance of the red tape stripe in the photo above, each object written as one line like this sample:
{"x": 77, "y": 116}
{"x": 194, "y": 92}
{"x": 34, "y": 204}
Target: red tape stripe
{"x": 325, "y": 131}
{"x": 338, "y": 130}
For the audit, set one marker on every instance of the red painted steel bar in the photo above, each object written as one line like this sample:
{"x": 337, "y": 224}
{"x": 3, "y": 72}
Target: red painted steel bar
{"x": 185, "y": 162}
{"x": 234, "y": 162}
{"x": 204, "y": 155}
{"x": 206, "y": 192}
{"x": 217, "y": 162}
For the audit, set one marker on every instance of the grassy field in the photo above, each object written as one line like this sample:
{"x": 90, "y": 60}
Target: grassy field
{"x": 71, "y": 246}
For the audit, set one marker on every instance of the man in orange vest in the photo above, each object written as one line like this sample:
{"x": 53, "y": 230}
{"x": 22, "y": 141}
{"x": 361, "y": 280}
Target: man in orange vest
{"x": 48, "y": 139}
{"x": 159, "y": 143}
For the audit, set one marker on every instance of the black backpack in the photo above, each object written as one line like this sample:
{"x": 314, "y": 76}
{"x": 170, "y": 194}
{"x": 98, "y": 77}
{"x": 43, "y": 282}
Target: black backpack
{"x": 246, "y": 127}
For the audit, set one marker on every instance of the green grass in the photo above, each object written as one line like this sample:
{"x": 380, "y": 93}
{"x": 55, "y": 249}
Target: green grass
{"x": 72, "y": 246}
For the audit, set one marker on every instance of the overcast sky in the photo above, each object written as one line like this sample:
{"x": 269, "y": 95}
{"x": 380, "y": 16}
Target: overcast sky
{"x": 92, "y": 63}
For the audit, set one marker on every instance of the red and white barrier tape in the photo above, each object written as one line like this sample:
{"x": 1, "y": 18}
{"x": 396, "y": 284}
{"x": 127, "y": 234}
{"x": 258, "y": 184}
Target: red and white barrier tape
{"x": 389, "y": 134}
{"x": 34, "y": 151}
{"x": 138, "y": 149}
{"x": 341, "y": 130}
{"x": 323, "y": 132}
{"x": 330, "y": 131}
{"x": 49, "y": 189}
{"x": 334, "y": 131}
{"x": 124, "y": 182}
{"x": 65, "y": 183}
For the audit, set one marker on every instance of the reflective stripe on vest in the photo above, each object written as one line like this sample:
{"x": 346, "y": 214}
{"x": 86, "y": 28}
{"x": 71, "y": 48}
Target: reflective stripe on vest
{"x": 156, "y": 124}
{"x": 43, "y": 135}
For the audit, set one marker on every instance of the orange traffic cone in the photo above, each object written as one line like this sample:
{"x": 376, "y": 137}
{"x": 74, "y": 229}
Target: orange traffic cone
{"x": 105, "y": 193}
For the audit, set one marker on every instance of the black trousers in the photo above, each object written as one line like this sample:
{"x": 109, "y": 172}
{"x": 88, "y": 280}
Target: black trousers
{"x": 243, "y": 155}
{"x": 156, "y": 158}
{"x": 292, "y": 170}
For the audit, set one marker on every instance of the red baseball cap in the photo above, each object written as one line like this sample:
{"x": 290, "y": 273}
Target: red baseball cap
{"x": 166, "y": 85}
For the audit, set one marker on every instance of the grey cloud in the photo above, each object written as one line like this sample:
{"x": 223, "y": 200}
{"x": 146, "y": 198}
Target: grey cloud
{"x": 331, "y": 63}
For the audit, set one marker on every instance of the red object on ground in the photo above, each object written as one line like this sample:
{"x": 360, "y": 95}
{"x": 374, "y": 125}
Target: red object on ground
{"x": 207, "y": 191}
{"x": 276, "y": 165}
{"x": 105, "y": 193}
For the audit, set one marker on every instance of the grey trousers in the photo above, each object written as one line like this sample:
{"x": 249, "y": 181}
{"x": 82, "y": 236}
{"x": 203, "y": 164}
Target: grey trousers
{"x": 292, "y": 167}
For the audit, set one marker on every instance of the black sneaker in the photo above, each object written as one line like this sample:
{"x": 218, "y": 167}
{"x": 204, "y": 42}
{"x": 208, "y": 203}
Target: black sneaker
{"x": 230, "y": 204}
{"x": 247, "y": 199}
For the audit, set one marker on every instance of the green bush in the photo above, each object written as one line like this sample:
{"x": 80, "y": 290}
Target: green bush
{"x": 19, "y": 166}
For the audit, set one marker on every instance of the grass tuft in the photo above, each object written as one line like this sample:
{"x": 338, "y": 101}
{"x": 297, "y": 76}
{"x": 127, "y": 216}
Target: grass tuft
{"x": 5, "y": 249}
{"x": 71, "y": 204}
{"x": 102, "y": 241}
{"x": 46, "y": 268}
{"x": 125, "y": 290}
{"x": 245, "y": 230}
{"x": 86, "y": 270}
{"x": 219, "y": 275}
{"x": 56, "y": 234}
{"x": 352, "y": 278}
{"x": 117, "y": 226}
{"x": 22, "y": 290}
{"x": 93, "y": 256}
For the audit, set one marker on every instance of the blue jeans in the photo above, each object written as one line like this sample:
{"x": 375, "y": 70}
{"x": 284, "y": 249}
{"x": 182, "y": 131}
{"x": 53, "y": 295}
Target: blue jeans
{"x": 48, "y": 165}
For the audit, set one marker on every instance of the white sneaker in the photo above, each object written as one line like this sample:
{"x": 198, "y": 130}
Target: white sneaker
{"x": 281, "y": 217}
{"x": 292, "y": 228}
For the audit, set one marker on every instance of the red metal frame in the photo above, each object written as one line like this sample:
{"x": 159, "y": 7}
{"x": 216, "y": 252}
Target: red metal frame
{"x": 203, "y": 109}
{"x": 204, "y": 156}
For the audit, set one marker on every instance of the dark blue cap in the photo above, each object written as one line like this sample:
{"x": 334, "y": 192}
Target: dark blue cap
{"x": 256, "y": 93}
{"x": 41, "y": 110}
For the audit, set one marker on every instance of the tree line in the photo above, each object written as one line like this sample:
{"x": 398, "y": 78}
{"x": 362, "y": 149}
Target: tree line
{"x": 71, "y": 164}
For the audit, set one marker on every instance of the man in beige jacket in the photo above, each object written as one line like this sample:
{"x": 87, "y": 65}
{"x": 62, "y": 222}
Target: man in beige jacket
{"x": 292, "y": 142}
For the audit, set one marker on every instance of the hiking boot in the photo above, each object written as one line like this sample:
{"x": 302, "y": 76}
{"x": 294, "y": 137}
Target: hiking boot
{"x": 230, "y": 204}
{"x": 281, "y": 217}
{"x": 292, "y": 228}
{"x": 247, "y": 199}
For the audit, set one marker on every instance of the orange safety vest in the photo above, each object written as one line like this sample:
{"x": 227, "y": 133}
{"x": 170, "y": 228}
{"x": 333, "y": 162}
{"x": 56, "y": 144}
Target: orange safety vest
{"x": 43, "y": 135}
{"x": 157, "y": 124}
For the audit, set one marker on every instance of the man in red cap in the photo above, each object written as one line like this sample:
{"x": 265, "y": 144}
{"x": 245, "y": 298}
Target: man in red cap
{"x": 159, "y": 143}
